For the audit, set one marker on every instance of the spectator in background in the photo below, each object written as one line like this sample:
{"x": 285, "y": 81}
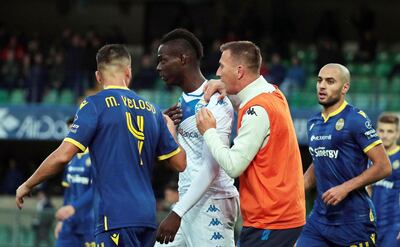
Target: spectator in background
{"x": 9, "y": 71}
{"x": 277, "y": 71}
{"x": 37, "y": 79}
{"x": 147, "y": 74}
{"x": 74, "y": 65}
{"x": 328, "y": 52}
{"x": 295, "y": 77}
{"x": 12, "y": 179}
{"x": 12, "y": 46}
{"x": 364, "y": 22}
{"x": 211, "y": 60}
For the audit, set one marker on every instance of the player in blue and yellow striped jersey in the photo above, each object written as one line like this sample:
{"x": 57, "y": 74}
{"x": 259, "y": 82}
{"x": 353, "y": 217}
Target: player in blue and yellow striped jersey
{"x": 124, "y": 133}
{"x": 76, "y": 216}
{"x": 386, "y": 192}
{"x": 341, "y": 140}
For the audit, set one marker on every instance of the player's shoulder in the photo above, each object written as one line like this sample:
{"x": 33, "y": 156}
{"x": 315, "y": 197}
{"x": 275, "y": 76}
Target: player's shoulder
{"x": 356, "y": 114}
{"x": 216, "y": 102}
{"x": 315, "y": 117}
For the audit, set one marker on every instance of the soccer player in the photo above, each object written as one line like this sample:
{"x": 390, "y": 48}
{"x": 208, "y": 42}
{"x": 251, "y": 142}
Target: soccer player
{"x": 265, "y": 153}
{"x": 76, "y": 216}
{"x": 341, "y": 140}
{"x": 124, "y": 133}
{"x": 208, "y": 203}
{"x": 386, "y": 192}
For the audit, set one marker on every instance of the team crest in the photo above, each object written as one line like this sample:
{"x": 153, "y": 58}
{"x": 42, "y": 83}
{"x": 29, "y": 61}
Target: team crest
{"x": 202, "y": 103}
{"x": 339, "y": 124}
{"x": 396, "y": 164}
{"x": 368, "y": 124}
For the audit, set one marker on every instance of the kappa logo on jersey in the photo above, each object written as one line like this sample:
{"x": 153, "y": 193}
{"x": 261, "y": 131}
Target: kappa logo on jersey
{"x": 115, "y": 238}
{"x": 339, "y": 124}
{"x": 215, "y": 222}
{"x": 212, "y": 208}
{"x": 217, "y": 236}
{"x": 251, "y": 111}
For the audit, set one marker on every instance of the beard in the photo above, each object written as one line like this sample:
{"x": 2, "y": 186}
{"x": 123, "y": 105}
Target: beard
{"x": 329, "y": 102}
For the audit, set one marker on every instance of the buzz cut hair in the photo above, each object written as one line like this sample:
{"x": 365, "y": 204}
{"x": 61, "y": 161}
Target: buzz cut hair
{"x": 113, "y": 54}
{"x": 390, "y": 119}
{"x": 245, "y": 52}
{"x": 186, "y": 40}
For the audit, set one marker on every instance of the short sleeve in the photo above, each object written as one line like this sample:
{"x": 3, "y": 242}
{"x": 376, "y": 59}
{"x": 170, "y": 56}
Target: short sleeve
{"x": 364, "y": 132}
{"x": 166, "y": 147}
{"x": 84, "y": 126}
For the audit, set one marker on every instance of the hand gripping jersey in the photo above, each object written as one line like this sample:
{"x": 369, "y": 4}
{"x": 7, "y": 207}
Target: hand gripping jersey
{"x": 192, "y": 141}
{"x": 124, "y": 133}
{"x": 338, "y": 145}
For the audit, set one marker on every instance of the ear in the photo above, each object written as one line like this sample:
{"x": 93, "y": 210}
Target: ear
{"x": 184, "y": 59}
{"x": 240, "y": 72}
{"x": 98, "y": 76}
{"x": 346, "y": 87}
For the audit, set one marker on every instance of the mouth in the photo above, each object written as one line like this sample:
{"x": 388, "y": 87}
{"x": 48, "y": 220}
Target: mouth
{"x": 322, "y": 95}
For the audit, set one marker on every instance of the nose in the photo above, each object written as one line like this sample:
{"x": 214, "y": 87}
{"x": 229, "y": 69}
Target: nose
{"x": 218, "y": 72}
{"x": 158, "y": 68}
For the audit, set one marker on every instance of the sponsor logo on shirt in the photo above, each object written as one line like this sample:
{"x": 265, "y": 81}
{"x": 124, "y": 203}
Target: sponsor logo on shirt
{"x": 321, "y": 138}
{"x": 188, "y": 134}
{"x": 370, "y": 134}
{"x": 322, "y": 152}
{"x": 76, "y": 179}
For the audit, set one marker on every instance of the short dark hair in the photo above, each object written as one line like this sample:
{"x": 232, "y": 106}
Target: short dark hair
{"x": 389, "y": 118}
{"x": 112, "y": 53}
{"x": 245, "y": 51}
{"x": 188, "y": 40}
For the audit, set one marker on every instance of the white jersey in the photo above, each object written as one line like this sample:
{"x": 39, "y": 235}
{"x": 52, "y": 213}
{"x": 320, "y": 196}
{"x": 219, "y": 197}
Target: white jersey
{"x": 193, "y": 143}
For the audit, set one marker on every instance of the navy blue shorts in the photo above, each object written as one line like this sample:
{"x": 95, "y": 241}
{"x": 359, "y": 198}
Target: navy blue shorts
{"x": 254, "y": 237}
{"x": 316, "y": 234}
{"x": 127, "y": 237}
{"x": 68, "y": 237}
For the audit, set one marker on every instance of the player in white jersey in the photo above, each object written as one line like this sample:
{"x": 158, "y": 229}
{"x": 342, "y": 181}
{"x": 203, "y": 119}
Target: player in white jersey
{"x": 208, "y": 203}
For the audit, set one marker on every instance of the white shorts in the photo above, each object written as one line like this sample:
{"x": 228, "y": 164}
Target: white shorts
{"x": 210, "y": 222}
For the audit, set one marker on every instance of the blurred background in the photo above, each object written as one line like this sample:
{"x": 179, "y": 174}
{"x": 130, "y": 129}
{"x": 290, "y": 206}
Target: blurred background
{"x": 47, "y": 64}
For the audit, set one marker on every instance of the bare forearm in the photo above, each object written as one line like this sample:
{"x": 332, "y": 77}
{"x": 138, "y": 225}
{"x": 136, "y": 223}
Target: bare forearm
{"x": 372, "y": 174}
{"x": 51, "y": 166}
{"x": 309, "y": 178}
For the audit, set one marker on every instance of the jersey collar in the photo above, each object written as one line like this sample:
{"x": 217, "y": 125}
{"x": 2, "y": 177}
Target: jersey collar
{"x": 395, "y": 150}
{"x": 116, "y": 87}
{"x": 334, "y": 113}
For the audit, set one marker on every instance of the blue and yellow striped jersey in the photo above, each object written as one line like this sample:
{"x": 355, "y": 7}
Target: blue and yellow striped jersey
{"x": 386, "y": 195}
{"x": 124, "y": 133}
{"x": 338, "y": 145}
{"x": 78, "y": 192}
